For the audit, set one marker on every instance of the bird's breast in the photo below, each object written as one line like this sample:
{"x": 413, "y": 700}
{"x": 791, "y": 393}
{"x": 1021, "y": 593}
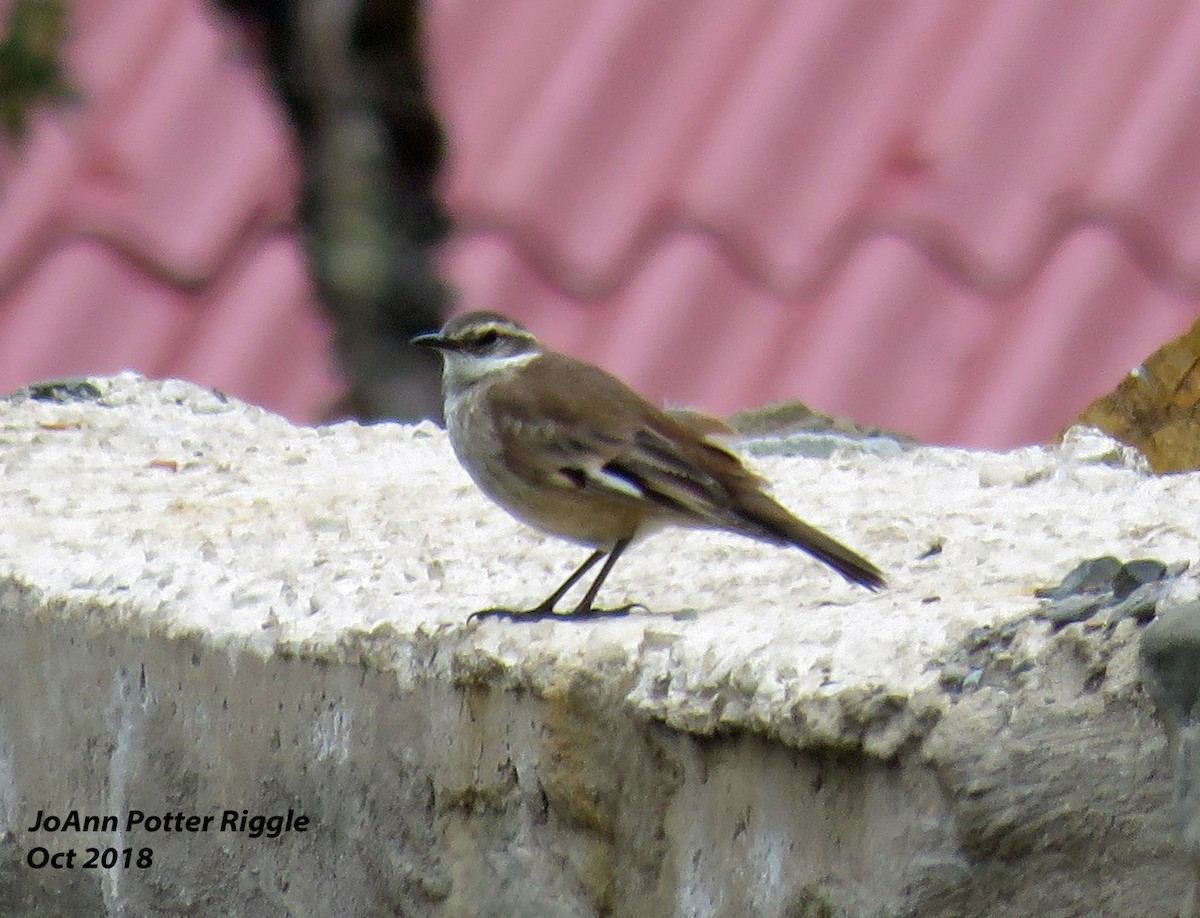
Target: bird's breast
{"x": 527, "y": 492}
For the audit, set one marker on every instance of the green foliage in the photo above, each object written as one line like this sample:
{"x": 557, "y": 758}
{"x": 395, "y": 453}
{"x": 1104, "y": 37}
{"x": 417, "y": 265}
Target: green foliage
{"x": 31, "y": 66}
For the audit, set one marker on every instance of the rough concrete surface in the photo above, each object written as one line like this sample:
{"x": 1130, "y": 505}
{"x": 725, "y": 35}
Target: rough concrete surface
{"x": 204, "y": 609}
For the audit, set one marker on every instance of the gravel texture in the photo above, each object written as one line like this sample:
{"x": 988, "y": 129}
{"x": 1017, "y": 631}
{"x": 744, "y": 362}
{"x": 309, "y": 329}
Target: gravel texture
{"x": 154, "y": 524}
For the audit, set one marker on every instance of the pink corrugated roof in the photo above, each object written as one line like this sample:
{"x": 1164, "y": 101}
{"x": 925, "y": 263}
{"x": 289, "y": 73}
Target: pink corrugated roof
{"x": 150, "y": 225}
{"x": 961, "y": 220}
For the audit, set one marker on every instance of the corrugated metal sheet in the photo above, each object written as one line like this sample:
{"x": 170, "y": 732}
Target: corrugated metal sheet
{"x": 150, "y": 225}
{"x": 961, "y": 220}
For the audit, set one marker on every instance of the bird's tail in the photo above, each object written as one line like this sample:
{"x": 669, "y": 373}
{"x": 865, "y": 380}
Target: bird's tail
{"x": 776, "y": 524}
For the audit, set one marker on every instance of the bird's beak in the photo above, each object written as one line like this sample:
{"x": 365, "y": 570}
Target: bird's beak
{"x": 435, "y": 341}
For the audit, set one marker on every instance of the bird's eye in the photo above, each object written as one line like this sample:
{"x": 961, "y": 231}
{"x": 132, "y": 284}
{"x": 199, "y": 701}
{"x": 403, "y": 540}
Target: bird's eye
{"x": 488, "y": 338}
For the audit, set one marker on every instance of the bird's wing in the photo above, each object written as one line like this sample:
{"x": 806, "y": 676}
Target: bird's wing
{"x": 603, "y": 437}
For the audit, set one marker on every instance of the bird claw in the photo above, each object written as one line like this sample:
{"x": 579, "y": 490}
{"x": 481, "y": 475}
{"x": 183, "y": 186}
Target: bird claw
{"x": 581, "y": 614}
{"x": 539, "y": 613}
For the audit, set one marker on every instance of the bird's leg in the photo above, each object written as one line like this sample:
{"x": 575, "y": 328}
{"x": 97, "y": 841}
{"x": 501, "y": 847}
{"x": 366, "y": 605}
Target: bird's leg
{"x": 585, "y": 609}
{"x": 546, "y": 606}
{"x": 545, "y": 609}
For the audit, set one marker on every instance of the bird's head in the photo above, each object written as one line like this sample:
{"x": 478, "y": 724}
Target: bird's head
{"x": 477, "y": 345}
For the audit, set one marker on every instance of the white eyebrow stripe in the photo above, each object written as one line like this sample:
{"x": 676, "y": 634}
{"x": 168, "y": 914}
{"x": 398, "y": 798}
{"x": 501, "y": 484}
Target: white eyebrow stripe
{"x": 497, "y": 362}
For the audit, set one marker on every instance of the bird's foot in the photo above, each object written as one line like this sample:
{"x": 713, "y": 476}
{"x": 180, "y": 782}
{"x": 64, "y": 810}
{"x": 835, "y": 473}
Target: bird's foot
{"x": 541, "y": 613}
{"x": 582, "y": 613}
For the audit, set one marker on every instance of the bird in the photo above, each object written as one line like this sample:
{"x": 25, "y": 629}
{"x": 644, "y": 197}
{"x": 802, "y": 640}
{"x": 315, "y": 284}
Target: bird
{"x": 571, "y": 450}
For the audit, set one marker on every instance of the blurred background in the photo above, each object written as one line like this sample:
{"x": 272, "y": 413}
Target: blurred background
{"x": 962, "y": 221}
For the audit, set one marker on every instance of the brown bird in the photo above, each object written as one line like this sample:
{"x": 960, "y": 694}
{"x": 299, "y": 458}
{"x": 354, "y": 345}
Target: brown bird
{"x": 571, "y": 450}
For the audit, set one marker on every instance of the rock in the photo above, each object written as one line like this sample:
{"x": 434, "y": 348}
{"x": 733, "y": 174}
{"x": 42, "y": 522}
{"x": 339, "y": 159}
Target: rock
{"x": 1170, "y": 660}
{"x": 1096, "y": 575}
{"x": 1170, "y": 657}
{"x": 1074, "y": 608}
{"x": 205, "y": 611}
{"x": 1142, "y": 603}
{"x": 1132, "y": 589}
{"x": 1135, "y": 574}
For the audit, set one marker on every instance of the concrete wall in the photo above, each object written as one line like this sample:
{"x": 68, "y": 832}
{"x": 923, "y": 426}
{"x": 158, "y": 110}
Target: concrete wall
{"x": 205, "y": 609}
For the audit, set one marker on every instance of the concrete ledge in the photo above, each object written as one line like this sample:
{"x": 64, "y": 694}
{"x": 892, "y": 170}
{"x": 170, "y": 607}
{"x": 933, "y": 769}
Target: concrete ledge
{"x": 203, "y": 608}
